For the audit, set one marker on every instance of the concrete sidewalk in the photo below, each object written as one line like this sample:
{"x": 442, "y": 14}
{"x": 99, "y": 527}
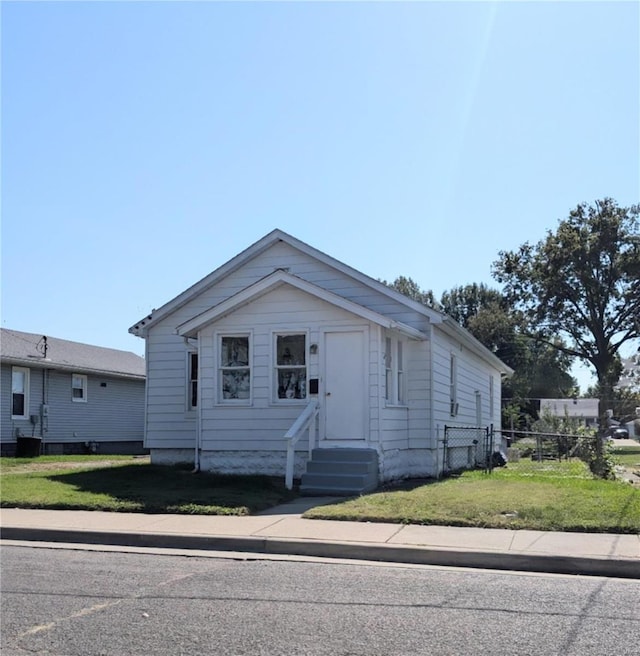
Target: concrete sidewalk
{"x": 282, "y": 530}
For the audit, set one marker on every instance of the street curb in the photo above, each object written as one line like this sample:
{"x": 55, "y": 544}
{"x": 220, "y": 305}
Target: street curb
{"x": 539, "y": 563}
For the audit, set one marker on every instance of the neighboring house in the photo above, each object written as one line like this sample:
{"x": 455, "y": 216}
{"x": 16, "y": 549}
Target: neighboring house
{"x": 583, "y": 410}
{"x": 630, "y": 377}
{"x": 76, "y": 398}
{"x": 282, "y": 330}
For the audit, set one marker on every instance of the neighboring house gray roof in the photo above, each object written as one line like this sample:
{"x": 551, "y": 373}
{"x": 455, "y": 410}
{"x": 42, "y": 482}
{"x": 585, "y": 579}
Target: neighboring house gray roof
{"x": 26, "y": 349}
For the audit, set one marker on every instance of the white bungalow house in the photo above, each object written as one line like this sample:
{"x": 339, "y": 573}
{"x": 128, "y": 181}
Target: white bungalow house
{"x": 285, "y": 351}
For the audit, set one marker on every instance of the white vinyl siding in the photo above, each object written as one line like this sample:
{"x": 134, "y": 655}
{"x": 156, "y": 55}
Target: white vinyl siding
{"x": 19, "y": 393}
{"x": 79, "y": 387}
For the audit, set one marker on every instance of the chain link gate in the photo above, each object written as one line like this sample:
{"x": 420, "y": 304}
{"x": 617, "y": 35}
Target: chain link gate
{"x": 467, "y": 447}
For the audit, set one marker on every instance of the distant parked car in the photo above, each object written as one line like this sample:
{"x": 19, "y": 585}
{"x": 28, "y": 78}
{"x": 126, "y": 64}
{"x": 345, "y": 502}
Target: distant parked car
{"x": 618, "y": 433}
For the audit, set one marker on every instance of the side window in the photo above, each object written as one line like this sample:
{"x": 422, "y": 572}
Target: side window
{"x": 491, "y": 396}
{"x": 192, "y": 380}
{"x": 19, "y": 393}
{"x": 291, "y": 366}
{"x": 394, "y": 374}
{"x": 453, "y": 385}
{"x": 78, "y": 388}
{"x": 400, "y": 374}
{"x": 388, "y": 371}
{"x": 234, "y": 371}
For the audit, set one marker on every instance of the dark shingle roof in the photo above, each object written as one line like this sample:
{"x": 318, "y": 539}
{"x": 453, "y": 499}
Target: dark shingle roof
{"x": 26, "y": 349}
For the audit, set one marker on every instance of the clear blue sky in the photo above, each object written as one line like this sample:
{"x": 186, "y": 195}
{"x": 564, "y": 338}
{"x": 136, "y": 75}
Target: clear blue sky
{"x": 145, "y": 144}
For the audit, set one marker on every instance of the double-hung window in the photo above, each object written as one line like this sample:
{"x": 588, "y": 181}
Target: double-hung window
{"x": 453, "y": 385}
{"x": 291, "y": 366}
{"x": 19, "y": 393}
{"x": 234, "y": 372}
{"x": 388, "y": 370}
{"x": 79, "y": 388}
{"x": 394, "y": 373}
{"x": 192, "y": 380}
{"x": 491, "y": 397}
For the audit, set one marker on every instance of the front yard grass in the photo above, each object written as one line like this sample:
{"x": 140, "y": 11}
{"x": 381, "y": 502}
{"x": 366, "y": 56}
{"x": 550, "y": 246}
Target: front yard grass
{"x": 127, "y": 484}
{"x": 557, "y": 496}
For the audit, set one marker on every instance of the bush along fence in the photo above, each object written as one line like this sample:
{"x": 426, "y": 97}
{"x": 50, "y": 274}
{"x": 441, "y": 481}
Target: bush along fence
{"x": 487, "y": 448}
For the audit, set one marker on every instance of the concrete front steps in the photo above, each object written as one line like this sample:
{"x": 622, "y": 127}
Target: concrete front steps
{"x": 340, "y": 472}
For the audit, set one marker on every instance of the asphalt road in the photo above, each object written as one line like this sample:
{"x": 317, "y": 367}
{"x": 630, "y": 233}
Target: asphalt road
{"x": 87, "y": 603}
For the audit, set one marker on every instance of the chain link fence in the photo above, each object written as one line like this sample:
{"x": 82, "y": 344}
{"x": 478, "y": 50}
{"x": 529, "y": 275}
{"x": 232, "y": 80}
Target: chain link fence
{"x": 529, "y": 451}
{"x": 485, "y": 448}
{"x": 466, "y": 447}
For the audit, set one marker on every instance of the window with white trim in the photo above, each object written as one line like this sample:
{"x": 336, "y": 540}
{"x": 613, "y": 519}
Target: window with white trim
{"x": 491, "y": 396}
{"x": 192, "y": 380}
{"x": 388, "y": 371}
{"x": 394, "y": 373}
{"x": 290, "y": 368}
{"x": 234, "y": 370}
{"x": 79, "y": 384}
{"x": 453, "y": 385}
{"x": 400, "y": 375}
{"x": 19, "y": 393}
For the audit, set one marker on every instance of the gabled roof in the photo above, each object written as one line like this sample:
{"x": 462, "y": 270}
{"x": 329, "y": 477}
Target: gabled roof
{"x": 259, "y": 247}
{"x": 26, "y": 349}
{"x": 276, "y": 279}
{"x": 445, "y": 323}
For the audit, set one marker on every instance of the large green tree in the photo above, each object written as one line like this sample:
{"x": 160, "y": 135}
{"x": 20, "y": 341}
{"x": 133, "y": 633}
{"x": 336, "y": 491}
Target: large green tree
{"x": 579, "y": 287}
{"x": 540, "y": 371}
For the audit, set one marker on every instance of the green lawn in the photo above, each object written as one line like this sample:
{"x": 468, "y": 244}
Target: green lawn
{"x": 559, "y": 496}
{"x": 126, "y": 484}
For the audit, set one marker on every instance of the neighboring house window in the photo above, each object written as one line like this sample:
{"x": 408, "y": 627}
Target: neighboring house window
{"x": 394, "y": 378}
{"x": 19, "y": 393}
{"x": 291, "y": 366}
{"x": 453, "y": 386}
{"x": 192, "y": 377}
{"x": 235, "y": 370}
{"x": 79, "y": 388}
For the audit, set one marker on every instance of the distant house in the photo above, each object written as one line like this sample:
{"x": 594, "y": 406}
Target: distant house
{"x": 74, "y": 397}
{"x": 630, "y": 377}
{"x": 584, "y": 410}
{"x": 283, "y": 336}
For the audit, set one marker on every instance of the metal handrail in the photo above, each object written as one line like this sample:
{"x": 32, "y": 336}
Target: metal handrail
{"x": 305, "y": 421}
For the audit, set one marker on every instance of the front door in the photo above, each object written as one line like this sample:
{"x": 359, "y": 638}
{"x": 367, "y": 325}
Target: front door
{"x": 345, "y": 392}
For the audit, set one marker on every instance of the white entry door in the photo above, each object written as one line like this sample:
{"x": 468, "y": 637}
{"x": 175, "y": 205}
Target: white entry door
{"x": 345, "y": 393}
